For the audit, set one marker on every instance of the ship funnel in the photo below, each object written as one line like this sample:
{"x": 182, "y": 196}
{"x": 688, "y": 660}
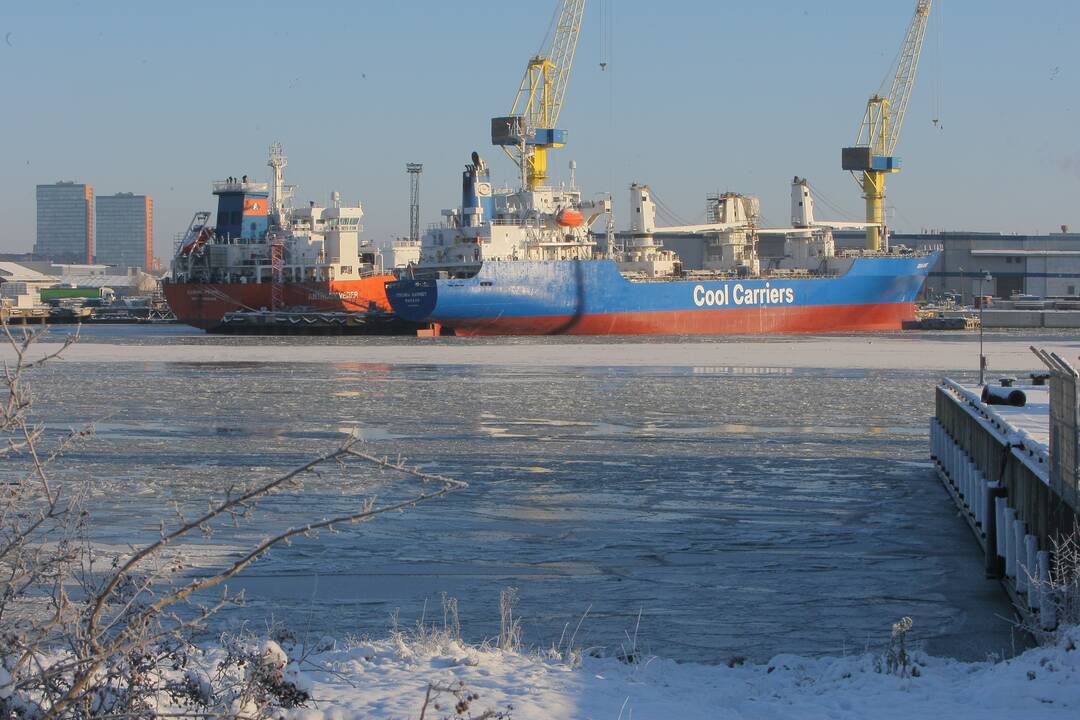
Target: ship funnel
{"x": 802, "y": 203}
{"x": 642, "y": 210}
{"x": 476, "y": 199}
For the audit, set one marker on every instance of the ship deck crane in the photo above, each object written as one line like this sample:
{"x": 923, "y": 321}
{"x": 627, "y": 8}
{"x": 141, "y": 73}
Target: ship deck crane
{"x": 872, "y": 155}
{"x": 530, "y": 127}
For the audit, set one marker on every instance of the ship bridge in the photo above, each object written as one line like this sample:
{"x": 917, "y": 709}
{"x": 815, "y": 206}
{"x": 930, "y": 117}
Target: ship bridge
{"x": 243, "y": 208}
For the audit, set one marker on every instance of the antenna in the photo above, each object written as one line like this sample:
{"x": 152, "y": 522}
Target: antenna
{"x": 414, "y": 170}
{"x": 277, "y": 163}
{"x": 610, "y": 229}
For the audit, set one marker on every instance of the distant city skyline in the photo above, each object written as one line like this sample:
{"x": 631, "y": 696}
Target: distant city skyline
{"x": 695, "y": 97}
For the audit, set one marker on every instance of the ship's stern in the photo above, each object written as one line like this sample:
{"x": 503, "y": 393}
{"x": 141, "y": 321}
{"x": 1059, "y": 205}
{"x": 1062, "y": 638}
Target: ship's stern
{"x": 413, "y": 299}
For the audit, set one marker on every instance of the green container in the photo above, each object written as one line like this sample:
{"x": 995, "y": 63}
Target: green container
{"x": 57, "y": 293}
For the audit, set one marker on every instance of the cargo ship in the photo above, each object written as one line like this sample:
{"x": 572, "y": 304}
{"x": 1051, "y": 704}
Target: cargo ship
{"x": 525, "y": 263}
{"x": 264, "y": 255}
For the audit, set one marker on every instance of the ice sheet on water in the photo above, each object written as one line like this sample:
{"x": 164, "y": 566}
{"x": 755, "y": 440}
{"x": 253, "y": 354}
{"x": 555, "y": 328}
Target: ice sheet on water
{"x": 767, "y": 356}
{"x": 727, "y": 508}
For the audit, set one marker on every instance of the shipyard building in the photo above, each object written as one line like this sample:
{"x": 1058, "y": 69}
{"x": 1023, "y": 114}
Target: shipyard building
{"x": 65, "y": 222}
{"x": 125, "y": 228}
{"x": 1004, "y": 266}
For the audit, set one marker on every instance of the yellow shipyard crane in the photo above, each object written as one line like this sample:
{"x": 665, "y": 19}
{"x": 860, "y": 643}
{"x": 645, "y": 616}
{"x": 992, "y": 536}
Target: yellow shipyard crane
{"x": 872, "y": 154}
{"x": 530, "y": 127}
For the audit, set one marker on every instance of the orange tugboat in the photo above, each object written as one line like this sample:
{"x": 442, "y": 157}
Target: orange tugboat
{"x": 263, "y": 255}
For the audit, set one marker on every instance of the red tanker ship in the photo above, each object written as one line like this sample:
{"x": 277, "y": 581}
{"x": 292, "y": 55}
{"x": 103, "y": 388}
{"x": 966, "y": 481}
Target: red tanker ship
{"x": 263, "y": 254}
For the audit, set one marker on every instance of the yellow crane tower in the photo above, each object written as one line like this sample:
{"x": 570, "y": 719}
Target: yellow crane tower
{"x": 530, "y": 127}
{"x": 872, "y": 154}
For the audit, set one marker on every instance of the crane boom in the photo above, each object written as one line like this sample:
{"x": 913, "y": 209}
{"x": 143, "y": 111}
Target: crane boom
{"x": 881, "y": 130}
{"x": 879, "y": 133}
{"x": 531, "y": 124}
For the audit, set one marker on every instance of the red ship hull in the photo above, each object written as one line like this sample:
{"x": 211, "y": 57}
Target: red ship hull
{"x": 751, "y": 321}
{"x": 203, "y": 305}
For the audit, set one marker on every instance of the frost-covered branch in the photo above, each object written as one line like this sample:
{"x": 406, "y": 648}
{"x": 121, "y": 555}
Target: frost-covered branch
{"x": 79, "y": 640}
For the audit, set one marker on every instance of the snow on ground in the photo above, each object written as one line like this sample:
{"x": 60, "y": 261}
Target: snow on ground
{"x": 869, "y": 352}
{"x": 388, "y": 679}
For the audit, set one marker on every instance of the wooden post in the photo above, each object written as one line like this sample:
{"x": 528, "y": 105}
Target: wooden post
{"x": 994, "y": 565}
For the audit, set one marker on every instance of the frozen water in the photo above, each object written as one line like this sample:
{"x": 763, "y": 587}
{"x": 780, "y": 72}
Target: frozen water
{"x": 909, "y": 351}
{"x": 743, "y": 509}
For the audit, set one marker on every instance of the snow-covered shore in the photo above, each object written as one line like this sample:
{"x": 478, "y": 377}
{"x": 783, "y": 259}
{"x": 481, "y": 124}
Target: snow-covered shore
{"x": 863, "y": 352}
{"x": 388, "y": 679}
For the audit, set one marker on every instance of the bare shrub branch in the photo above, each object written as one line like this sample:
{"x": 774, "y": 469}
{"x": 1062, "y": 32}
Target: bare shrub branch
{"x": 80, "y": 639}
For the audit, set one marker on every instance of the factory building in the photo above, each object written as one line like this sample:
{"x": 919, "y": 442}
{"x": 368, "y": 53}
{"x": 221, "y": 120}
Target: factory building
{"x": 65, "y": 222}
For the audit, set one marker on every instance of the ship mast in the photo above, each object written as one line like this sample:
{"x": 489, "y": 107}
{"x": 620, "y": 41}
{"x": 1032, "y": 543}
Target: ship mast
{"x": 277, "y": 164}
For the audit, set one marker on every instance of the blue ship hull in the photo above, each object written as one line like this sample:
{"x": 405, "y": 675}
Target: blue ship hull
{"x": 591, "y": 297}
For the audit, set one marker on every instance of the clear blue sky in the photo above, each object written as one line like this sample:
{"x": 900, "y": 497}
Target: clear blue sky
{"x": 699, "y": 96}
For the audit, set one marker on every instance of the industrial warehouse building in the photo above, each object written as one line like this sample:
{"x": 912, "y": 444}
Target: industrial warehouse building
{"x": 1044, "y": 266}
{"x": 41, "y": 276}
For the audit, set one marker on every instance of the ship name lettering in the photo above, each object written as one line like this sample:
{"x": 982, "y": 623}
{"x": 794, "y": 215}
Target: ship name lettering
{"x": 737, "y": 294}
{"x": 347, "y": 295}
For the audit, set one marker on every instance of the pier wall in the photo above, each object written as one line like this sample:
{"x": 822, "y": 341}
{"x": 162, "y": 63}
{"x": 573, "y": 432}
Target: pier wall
{"x": 1000, "y": 480}
{"x": 1031, "y": 319}
{"x": 1010, "y": 318}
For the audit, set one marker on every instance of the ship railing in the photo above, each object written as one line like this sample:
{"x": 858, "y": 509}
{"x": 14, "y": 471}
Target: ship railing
{"x": 236, "y": 186}
{"x": 558, "y": 244}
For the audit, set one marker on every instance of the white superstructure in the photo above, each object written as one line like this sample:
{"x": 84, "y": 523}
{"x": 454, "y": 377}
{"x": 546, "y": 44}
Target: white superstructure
{"x": 260, "y": 238}
{"x": 546, "y": 223}
{"x": 733, "y": 228}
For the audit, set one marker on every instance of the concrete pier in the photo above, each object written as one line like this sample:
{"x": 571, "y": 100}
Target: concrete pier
{"x": 1012, "y": 472}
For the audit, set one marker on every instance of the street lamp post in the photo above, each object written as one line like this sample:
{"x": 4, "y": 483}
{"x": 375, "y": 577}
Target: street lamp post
{"x": 982, "y": 304}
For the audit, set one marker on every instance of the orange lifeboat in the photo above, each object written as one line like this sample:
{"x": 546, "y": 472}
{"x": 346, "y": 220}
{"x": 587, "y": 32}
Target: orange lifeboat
{"x": 200, "y": 238}
{"x": 570, "y": 218}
